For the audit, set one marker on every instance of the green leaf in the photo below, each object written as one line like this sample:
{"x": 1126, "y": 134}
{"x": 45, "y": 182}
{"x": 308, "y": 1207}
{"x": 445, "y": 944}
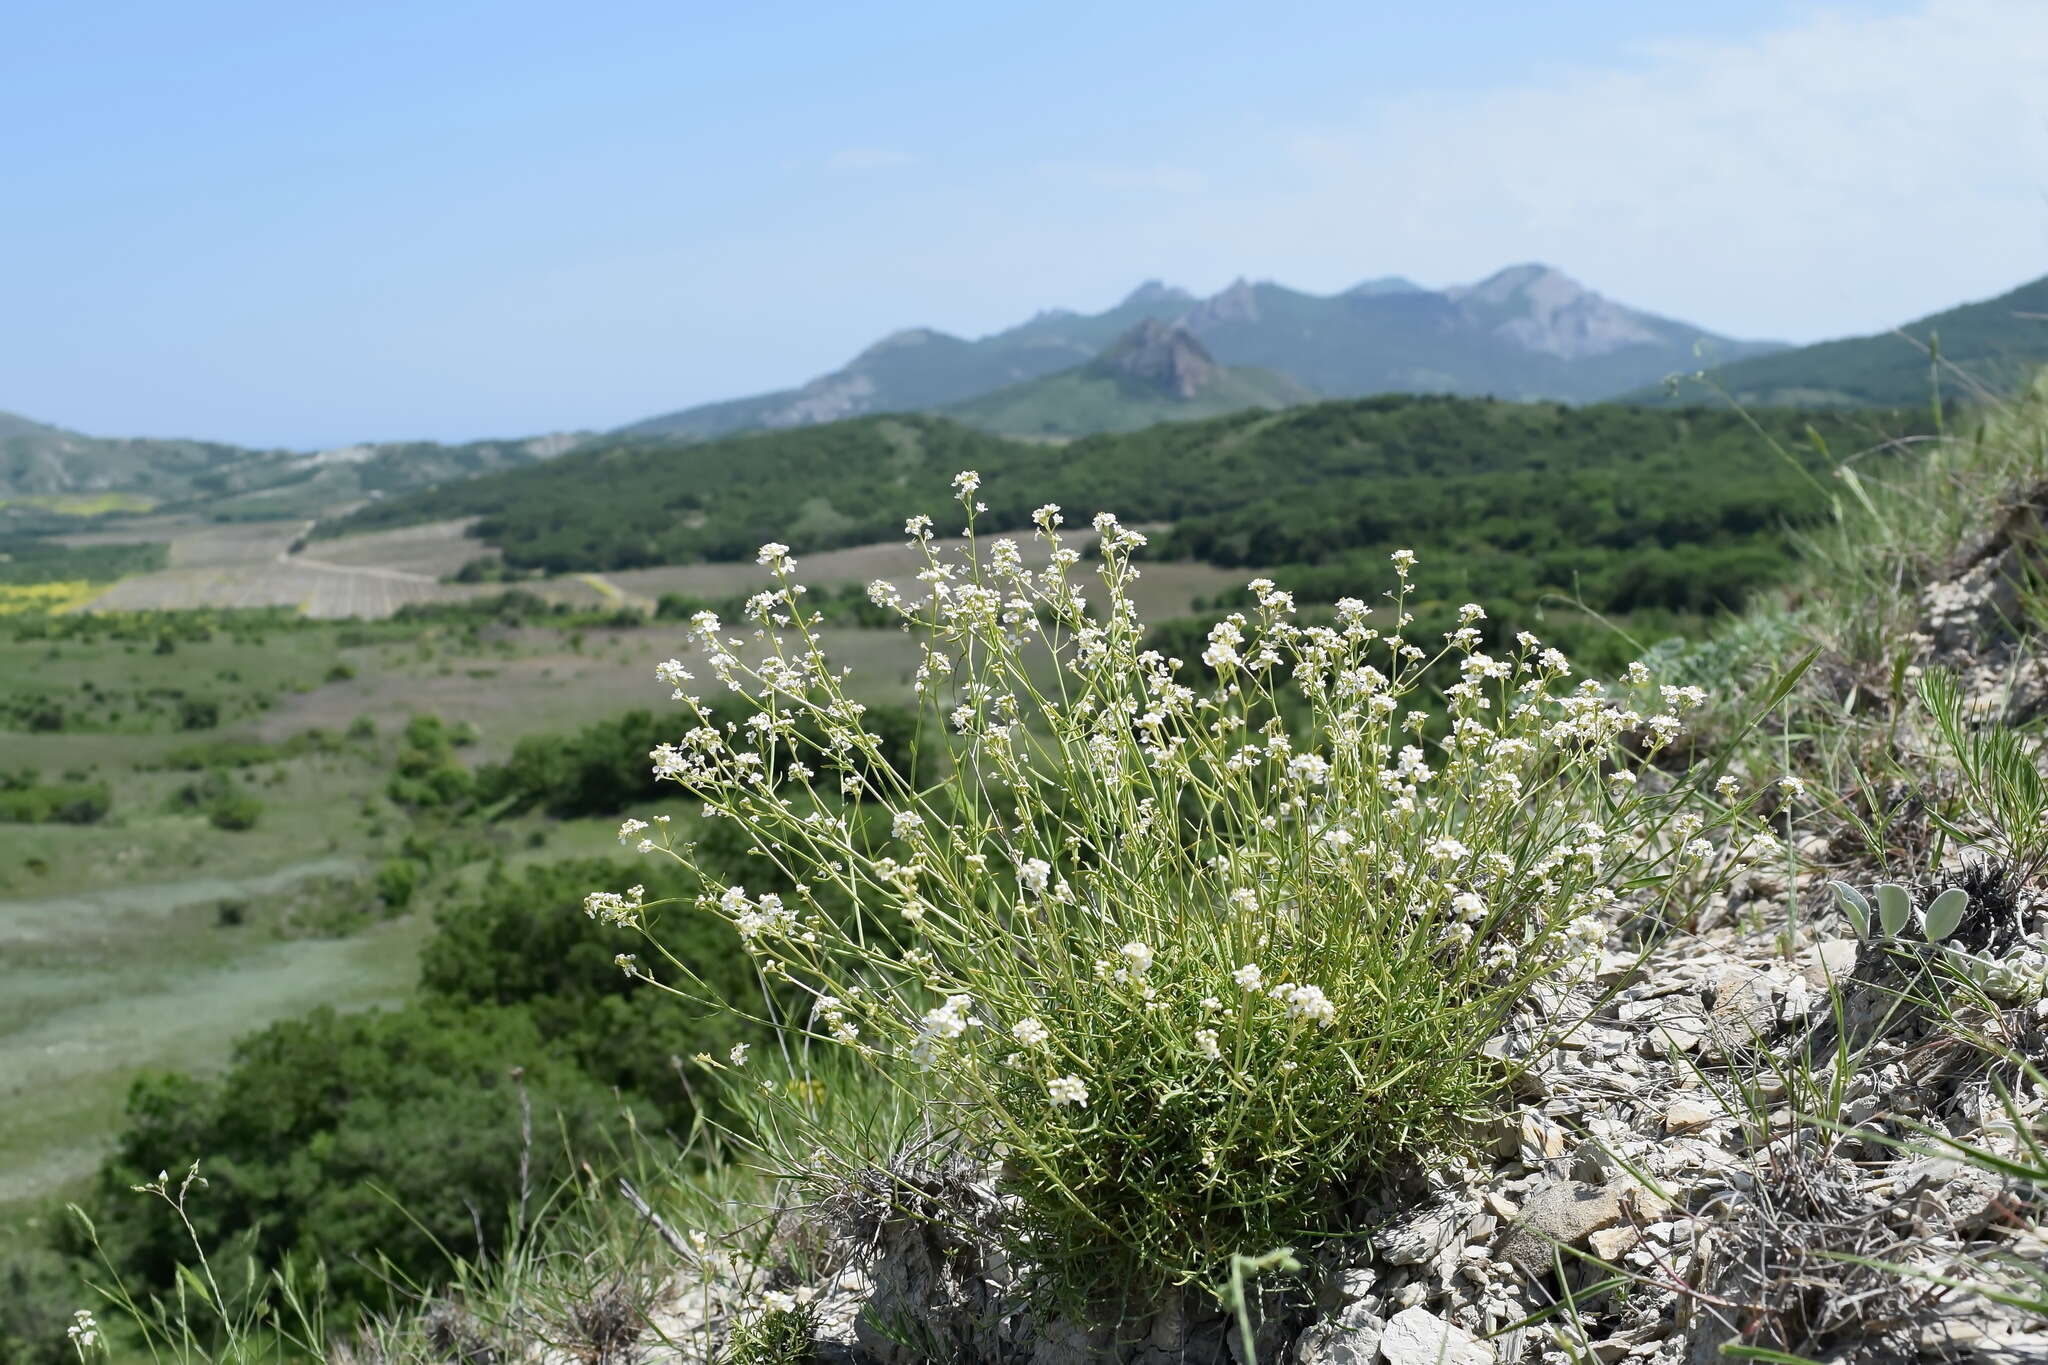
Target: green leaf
{"x": 1854, "y": 907}
{"x": 1945, "y": 912}
{"x": 1894, "y": 908}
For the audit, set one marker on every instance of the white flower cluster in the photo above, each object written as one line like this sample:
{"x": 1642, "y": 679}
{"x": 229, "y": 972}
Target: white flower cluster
{"x": 614, "y": 908}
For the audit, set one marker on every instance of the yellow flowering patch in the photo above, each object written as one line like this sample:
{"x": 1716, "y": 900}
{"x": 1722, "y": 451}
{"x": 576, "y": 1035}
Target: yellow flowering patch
{"x": 84, "y": 504}
{"x": 51, "y": 597}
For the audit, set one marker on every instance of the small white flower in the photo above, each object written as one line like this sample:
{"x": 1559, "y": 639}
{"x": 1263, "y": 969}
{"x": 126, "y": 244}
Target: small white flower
{"x": 1698, "y": 848}
{"x": 965, "y": 482}
{"x": 738, "y": 1054}
{"x": 1035, "y": 874}
{"x": 905, "y": 823}
{"x": 1308, "y": 1002}
{"x": 1792, "y": 786}
{"x": 1249, "y": 976}
{"x": 631, "y": 828}
{"x": 1030, "y": 1032}
{"x": 775, "y": 556}
{"x": 1065, "y": 1090}
{"x": 1206, "y": 1044}
{"x": 1138, "y": 956}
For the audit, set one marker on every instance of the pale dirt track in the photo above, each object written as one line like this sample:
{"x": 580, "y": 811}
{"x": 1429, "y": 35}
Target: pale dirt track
{"x": 367, "y": 577}
{"x": 371, "y": 576}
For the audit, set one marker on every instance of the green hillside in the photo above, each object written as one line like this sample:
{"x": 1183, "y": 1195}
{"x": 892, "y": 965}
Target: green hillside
{"x": 1153, "y": 373}
{"x": 1677, "y": 511}
{"x": 1996, "y": 343}
{"x": 44, "y": 467}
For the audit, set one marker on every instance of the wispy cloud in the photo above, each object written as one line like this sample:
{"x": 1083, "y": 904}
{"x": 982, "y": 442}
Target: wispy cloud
{"x": 1845, "y": 170}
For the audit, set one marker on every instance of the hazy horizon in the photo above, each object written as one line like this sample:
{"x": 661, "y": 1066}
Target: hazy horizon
{"x": 295, "y": 229}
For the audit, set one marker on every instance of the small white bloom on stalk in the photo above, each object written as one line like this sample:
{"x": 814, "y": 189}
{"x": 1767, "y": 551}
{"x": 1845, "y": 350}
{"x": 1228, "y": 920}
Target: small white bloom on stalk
{"x": 1792, "y": 786}
{"x": 738, "y": 1054}
{"x": 671, "y": 673}
{"x": 905, "y": 823}
{"x": 1249, "y": 976}
{"x": 1030, "y": 1032}
{"x": 1307, "y": 1002}
{"x": 1139, "y": 956}
{"x": 1068, "y": 1090}
{"x": 775, "y": 557}
{"x": 1206, "y": 1044}
{"x": 949, "y": 1020}
{"x": 84, "y": 1331}
{"x": 1035, "y": 874}
{"x": 1310, "y": 769}
{"x": 630, "y": 828}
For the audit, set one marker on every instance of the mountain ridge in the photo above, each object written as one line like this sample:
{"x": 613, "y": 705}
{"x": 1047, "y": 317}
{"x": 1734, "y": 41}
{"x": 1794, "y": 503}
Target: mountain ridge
{"x": 1153, "y": 372}
{"x": 1992, "y": 344}
{"x": 1528, "y": 331}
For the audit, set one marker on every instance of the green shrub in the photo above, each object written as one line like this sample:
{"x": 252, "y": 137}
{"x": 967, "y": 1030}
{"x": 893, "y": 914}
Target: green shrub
{"x": 1199, "y": 976}
{"x": 397, "y": 879}
{"x": 69, "y": 803}
{"x": 198, "y": 713}
{"x": 345, "y": 1138}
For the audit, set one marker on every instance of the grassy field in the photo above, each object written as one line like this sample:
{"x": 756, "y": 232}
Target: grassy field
{"x": 153, "y": 939}
{"x": 371, "y": 576}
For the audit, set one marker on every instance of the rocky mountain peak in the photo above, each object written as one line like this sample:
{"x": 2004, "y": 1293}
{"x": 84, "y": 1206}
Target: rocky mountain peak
{"x": 1161, "y": 356}
{"x": 903, "y": 340}
{"x": 1153, "y": 293}
{"x": 1385, "y": 284}
{"x": 1239, "y": 303}
{"x": 1542, "y": 309}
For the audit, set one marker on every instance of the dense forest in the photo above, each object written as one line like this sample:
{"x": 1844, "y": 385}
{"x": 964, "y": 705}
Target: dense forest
{"x": 1680, "y": 511}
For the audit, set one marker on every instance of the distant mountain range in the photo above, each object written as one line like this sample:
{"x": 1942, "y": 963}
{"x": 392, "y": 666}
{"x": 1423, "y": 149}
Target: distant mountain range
{"x": 1529, "y": 331}
{"x": 1160, "y": 355}
{"x": 1988, "y": 346}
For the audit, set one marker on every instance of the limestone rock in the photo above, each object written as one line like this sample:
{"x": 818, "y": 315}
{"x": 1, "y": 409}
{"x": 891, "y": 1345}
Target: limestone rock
{"x": 1564, "y": 1214}
{"x": 1352, "y": 1338}
{"x": 1417, "y": 1336}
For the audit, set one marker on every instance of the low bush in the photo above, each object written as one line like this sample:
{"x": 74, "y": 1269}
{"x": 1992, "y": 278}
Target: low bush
{"x": 1192, "y": 968}
{"x": 67, "y": 803}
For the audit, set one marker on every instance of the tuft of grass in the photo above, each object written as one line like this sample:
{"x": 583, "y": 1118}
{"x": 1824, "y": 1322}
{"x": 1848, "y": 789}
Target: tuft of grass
{"x": 776, "y": 1335}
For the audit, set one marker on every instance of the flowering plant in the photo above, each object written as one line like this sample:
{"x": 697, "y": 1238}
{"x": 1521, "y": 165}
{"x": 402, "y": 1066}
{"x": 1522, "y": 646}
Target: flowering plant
{"x": 1197, "y": 955}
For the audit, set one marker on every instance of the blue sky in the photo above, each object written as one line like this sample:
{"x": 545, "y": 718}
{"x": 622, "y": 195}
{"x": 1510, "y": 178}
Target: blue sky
{"x": 305, "y": 225}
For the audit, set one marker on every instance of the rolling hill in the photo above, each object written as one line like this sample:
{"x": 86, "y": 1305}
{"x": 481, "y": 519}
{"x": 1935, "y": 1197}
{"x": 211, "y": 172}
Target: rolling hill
{"x": 47, "y": 466}
{"x": 1526, "y": 332}
{"x": 1996, "y": 342}
{"x": 1155, "y": 372}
